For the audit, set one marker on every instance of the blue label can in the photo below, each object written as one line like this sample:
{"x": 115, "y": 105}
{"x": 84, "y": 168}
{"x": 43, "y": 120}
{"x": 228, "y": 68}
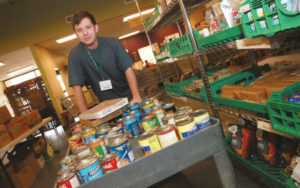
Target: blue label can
{"x": 131, "y": 126}
{"x": 89, "y": 169}
{"x": 147, "y": 111}
{"x": 135, "y": 106}
{"x": 119, "y": 144}
{"x": 126, "y": 111}
{"x": 119, "y": 129}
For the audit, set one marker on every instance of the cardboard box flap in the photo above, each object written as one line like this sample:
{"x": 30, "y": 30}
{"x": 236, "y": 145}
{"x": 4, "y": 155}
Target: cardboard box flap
{"x": 103, "y": 109}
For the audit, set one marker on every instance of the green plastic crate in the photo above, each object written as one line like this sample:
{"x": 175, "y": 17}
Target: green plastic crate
{"x": 284, "y": 115}
{"x": 243, "y": 78}
{"x": 180, "y": 46}
{"x": 270, "y": 173}
{"x": 154, "y": 16}
{"x": 176, "y": 88}
{"x": 228, "y": 35}
{"x": 266, "y": 21}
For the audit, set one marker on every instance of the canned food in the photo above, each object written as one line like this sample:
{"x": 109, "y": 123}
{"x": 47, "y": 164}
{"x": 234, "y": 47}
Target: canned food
{"x": 149, "y": 123}
{"x": 149, "y": 142}
{"x": 186, "y": 127}
{"x": 126, "y": 110}
{"x": 147, "y": 111}
{"x": 77, "y": 127}
{"x": 108, "y": 136}
{"x": 168, "y": 119}
{"x": 103, "y": 126}
{"x": 88, "y": 134}
{"x": 90, "y": 154}
{"x": 180, "y": 116}
{"x": 167, "y": 135}
{"x": 120, "y": 122}
{"x": 119, "y": 129}
{"x": 135, "y": 106}
{"x": 184, "y": 109}
{"x": 158, "y": 114}
{"x": 98, "y": 147}
{"x": 66, "y": 169}
{"x": 132, "y": 128}
{"x": 147, "y": 103}
{"x": 68, "y": 180}
{"x": 81, "y": 151}
{"x": 201, "y": 119}
{"x": 68, "y": 160}
{"x": 119, "y": 143}
{"x": 169, "y": 108}
{"x": 102, "y": 132}
{"x": 89, "y": 169}
{"x": 75, "y": 141}
{"x": 138, "y": 115}
{"x": 111, "y": 162}
{"x": 76, "y": 132}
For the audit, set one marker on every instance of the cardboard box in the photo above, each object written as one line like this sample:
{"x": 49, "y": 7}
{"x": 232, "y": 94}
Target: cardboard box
{"x": 33, "y": 117}
{"x": 104, "y": 109}
{"x": 17, "y": 126}
{"x": 24, "y": 178}
{"x": 97, "y": 122}
{"x": 4, "y": 114}
{"x": 253, "y": 94}
{"x": 4, "y": 136}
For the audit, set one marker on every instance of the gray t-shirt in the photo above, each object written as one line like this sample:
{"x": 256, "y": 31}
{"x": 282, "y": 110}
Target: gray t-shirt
{"x": 115, "y": 61}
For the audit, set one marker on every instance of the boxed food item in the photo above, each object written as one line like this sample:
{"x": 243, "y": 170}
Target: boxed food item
{"x": 253, "y": 94}
{"x": 4, "y": 114}
{"x": 4, "y": 136}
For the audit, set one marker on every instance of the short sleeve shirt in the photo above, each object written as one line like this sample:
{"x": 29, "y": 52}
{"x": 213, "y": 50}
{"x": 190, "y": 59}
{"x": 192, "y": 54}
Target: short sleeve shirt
{"x": 115, "y": 61}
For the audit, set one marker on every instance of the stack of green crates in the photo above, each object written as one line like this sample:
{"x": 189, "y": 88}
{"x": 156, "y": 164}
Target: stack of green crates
{"x": 154, "y": 16}
{"x": 228, "y": 35}
{"x": 180, "y": 46}
{"x": 262, "y": 18}
{"x": 176, "y": 88}
{"x": 284, "y": 115}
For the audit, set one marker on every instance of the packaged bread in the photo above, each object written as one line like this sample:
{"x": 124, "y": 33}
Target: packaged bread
{"x": 252, "y": 94}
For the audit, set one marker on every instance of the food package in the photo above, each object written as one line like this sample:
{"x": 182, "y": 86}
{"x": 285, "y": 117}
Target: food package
{"x": 252, "y": 94}
{"x": 275, "y": 87}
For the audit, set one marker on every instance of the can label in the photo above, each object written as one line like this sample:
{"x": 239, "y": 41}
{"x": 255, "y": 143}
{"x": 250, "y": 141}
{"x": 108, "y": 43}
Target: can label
{"x": 70, "y": 183}
{"x": 101, "y": 134}
{"x": 124, "y": 152}
{"x": 169, "y": 121}
{"x": 168, "y": 138}
{"x": 89, "y": 136}
{"x": 90, "y": 173}
{"x": 99, "y": 149}
{"x": 147, "y": 111}
{"x": 149, "y": 125}
{"x": 83, "y": 153}
{"x": 111, "y": 165}
{"x": 202, "y": 121}
{"x": 187, "y": 130}
{"x": 135, "y": 107}
{"x": 132, "y": 127}
{"x": 75, "y": 142}
{"x": 158, "y": 115}
{"x": 150, "y": 145}
{"x": 148, "y": 105}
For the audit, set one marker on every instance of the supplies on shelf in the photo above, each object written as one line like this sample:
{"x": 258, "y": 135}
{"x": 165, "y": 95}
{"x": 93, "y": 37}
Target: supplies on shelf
{"x": 153, "y": 125}
{"x": 156, "y": 13}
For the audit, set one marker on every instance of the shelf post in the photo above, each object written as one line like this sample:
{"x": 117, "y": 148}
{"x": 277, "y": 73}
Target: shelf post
{"x": 148, "y": 38}
{"x": 253, "y": 62}
{"x": 201, "y": 66}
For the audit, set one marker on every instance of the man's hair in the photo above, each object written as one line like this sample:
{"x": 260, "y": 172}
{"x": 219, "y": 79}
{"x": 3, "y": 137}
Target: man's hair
{"x": 78, "y": 16}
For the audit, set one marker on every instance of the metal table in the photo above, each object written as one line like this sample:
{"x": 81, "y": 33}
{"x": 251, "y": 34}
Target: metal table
{"x": 145, "y": 171}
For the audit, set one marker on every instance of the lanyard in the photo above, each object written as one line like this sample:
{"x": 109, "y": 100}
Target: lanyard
{"x": 94, "y": 62}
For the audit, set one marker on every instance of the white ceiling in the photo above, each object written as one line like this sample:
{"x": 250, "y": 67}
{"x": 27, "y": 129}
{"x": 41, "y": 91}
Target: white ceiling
{"x": 22, "y": 58}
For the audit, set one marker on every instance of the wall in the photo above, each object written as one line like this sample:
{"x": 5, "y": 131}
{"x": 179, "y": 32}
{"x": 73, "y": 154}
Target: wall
{"x": 28, "y": 22}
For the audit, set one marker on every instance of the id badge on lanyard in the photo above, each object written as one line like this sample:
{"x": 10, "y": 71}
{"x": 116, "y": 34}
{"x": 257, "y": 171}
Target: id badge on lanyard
{"x": 105, "y": 85}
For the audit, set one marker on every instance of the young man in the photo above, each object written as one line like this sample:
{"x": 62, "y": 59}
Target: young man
{"x": 100, "y": 62}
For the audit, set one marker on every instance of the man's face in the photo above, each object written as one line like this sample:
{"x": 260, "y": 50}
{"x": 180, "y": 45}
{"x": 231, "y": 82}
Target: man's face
{"x": 86, "y": 32}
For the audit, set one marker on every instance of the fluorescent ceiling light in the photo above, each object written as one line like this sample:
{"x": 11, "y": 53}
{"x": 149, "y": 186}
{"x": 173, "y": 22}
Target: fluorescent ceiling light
{"x": 128, "y": 35}
{"x": 67, "y": 38}
{"x": 125, "y": 19}
{"x": 1, "y": 64}
{"x": 21, "y": 71}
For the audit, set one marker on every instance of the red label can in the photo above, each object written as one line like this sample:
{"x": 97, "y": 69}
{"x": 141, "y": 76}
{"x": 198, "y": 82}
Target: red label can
{"x": 68, "y": 180}
{"x": 110, "y": 163}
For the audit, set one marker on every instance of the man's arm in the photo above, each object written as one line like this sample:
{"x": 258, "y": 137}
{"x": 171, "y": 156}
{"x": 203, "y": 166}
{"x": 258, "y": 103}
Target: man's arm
{"x": 79, "y": 98}
{"x": 133, "y": 85}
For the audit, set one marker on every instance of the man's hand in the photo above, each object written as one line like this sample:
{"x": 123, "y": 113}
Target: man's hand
{"x": 135, "y": 100}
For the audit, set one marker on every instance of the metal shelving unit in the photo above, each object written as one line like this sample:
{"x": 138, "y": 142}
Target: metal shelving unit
{"x": 145, "y": 171}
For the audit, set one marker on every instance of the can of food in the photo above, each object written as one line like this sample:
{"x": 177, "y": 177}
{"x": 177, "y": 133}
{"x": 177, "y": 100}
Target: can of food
{"x": 184, "y": 109}
{"x": 119, "y": 129}
{"x": 102, "y": 132}
{"x": 76, "y": 132}
{"x": 147, "y": 103}
{"x": 103, "y": 126}
{"x": 77, "y": 127}
{"x": 132, "y": 127}
{"x": 149, "y": 123}
{"x": 90, "y": 154}
{"x": 147, "y": 111}
{"x": 81, "y": 151}
{"x": 111, "y": 162}
{"x": 66, "y": 169}
{"x": 138, "y": 115}
{"x": 169, "y": 108}
{"x": 108, "y": 136}
{"x": 149, "y": 142}
{"x": 186, "y": 127}
{"x": 120, "y": 122}
{"x": 126, "y": 110}
{"x": 167, "y": 135}
{"x": 68, "y": 160}
{"x": 168, "y": 119}
{"x": 88, "y": 134}
{"x": 158, "y": 114}
{"x": 98, "y": 147}
{"x": 135, "y": 106}
{"x": 201, "y": 119}
{"x": 75, "y": 141}
{"x": 89, "y": 169}
{"x": 68, "y": 180}
{"x": 119, "y": 143}
{"x": 180, "y": 116}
